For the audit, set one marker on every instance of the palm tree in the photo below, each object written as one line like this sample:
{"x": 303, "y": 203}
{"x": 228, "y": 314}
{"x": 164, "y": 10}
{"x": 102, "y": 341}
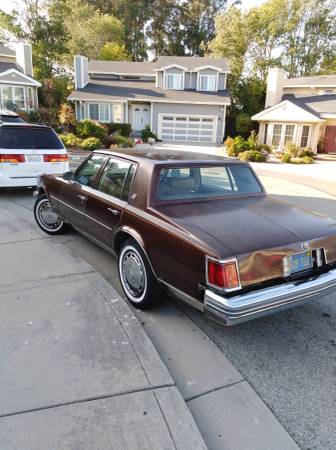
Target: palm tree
{"x": 66, "y": 115}
{"x": 48, "y": 91}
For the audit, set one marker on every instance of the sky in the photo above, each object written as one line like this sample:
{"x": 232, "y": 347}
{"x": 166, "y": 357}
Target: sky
{"x": 9, "y": 5}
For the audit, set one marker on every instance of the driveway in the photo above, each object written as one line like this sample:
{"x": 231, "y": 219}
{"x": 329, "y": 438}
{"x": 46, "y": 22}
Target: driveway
{"x": 289, "y": 358}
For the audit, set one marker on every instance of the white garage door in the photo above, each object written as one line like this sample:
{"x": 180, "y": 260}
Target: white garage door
{"x": 187, "y": 128}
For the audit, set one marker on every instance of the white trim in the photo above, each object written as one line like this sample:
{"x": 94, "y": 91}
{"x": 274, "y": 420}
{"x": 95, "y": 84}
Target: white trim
{"x": 209, "y": 66}
{"x": 170, "y": 66}
{"x": 99, "y": 104}
{"x": 131, "y": 99}
{"x": 174, "y": 75}
{"x": 310, "y": 86}
{"x": 224, "y": 123}
{"x": 261, "y": 114}
{"x": 200, "y": 116}
{"x": 199, "y": 77}
{"x": 126, "y": 111}
{"x": 328, "y": 116}
{"x": 32, "y": 82}
{"x": 151, "y": 116}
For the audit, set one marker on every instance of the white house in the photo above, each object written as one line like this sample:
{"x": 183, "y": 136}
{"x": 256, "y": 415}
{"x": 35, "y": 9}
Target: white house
{"x": 299, "y": 110}
{"x": 18, "y": 89}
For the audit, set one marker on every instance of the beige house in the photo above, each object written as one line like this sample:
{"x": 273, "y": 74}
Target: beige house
{"x": 299, "y": 110}
{"x": 18, "y": 89}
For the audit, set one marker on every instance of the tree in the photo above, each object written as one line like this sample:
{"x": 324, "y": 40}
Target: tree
{"x": 111, "y": 51}
{"x": 66, "y": 115}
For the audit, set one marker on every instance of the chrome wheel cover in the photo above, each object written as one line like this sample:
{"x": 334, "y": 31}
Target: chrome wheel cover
{"x": 133, "y": 274}
{"x": 47, "y": 216}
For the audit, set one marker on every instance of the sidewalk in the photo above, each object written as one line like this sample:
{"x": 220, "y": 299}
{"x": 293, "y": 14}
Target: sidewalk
{"x": 77, "y": 369}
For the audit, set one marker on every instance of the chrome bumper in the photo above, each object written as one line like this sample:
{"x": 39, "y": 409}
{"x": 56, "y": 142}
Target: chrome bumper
{"x": 252, "y": 305}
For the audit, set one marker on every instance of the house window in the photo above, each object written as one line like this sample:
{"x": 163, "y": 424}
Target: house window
{"x": 117, "y": 113}
{"x": 80, "y": 110}
{"x": 304, "y": 136}
{"x": 100, "y": 112}
{"x": 289, "y": 133}
{"x": 277, "y": 131}
{"x": 174, "y": 81}
{"x": 30, "y": 97}
{"x": 207, "y": 82}
{"x": 13, "y": 97}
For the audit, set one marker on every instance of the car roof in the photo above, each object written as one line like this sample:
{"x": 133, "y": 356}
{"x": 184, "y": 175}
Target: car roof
{"x": 8, "y": 112}
{"x": 23, "y": 125}
{"x": 160, "y": 157}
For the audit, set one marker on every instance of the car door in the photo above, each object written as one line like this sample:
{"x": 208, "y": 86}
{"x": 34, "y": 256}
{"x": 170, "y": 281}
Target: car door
{"x": 105, "y": 204}
{"x": 73, "y": 194}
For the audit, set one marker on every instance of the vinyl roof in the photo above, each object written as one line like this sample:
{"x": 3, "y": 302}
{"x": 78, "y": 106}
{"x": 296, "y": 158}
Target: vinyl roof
{"x": 319, "y": 80}
{"x": 4, "y": 50}
{"x": 125, "y": 67}
{"x": 192, "y": 62}
{"x": 319, "y": 104}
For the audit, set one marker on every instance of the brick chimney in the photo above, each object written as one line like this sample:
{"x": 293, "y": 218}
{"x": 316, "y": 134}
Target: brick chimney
{"x": 81, "y": 71}
{"x": 275, "y": 81}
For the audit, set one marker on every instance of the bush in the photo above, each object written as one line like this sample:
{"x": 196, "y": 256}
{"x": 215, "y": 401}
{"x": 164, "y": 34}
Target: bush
{"x": 297, "y": 155}
{"x": 91, "y": 143}
{"x": 264, "y": 147}
{"x": 286, "y": 158}
{"x": 306, "y": 152}
{"x": 147, "y": 133}
{"x": 70, "y": 140}
{"x": 88, "y": 129}
{"x": 120, "y": 141}
{"x": 253, "y": 156}
{"x": 122, "y": 128}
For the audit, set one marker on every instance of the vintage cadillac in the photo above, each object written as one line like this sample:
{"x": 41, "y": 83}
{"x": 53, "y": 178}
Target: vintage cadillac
{"x": 200, "y": 227}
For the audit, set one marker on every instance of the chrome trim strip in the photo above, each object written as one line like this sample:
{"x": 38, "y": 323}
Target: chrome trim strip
{"x": 80, "y": 212}
{"x": 267, "y": 301}
{"x": 182, "y": 296}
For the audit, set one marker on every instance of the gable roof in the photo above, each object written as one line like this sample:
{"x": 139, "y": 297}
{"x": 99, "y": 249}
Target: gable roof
{"x": 318, "y": 81}
{"x": 6, "y": 66}
{"x": 13, "y": 76}
{"x": 7, "y": 51}
{"x": 121, "y": 67}
{"x": 192, "y": 62}
{"x": 314, "y": 108}
{"x": 120, "y": 90}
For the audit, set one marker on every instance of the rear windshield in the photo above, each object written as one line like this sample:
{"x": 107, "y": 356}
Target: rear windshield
{"x": 211, "y": 181}
{"x": 11, "y": 119}
{"x": 24, "y": 138}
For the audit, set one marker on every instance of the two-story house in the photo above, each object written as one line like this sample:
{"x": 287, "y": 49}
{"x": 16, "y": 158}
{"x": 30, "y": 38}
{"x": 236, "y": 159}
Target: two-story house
{"x": 299, "y": 110}
{"x": 18, "y": 89}
{"x": 180, "y": 98}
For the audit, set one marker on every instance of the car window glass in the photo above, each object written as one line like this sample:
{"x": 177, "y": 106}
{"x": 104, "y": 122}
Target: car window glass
{"x": 113, "y": 177}
{"x": 86, "y": 174}
{"x": 128, "y": 183}
{"x": 25, "y": 138}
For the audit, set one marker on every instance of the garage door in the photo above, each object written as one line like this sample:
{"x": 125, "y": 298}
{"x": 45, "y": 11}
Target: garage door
{"x": 187, "y": 128}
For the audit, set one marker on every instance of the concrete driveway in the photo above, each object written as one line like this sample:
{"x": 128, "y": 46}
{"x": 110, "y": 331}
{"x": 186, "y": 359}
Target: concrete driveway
{"x": 289, "y": 358}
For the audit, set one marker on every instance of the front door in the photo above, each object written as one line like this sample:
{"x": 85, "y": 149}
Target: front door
{"x": 330, "y": 139}
{"x": 140, "y": 116}
{"x": 106, "y": 202}
{"x": 72, "y": 195}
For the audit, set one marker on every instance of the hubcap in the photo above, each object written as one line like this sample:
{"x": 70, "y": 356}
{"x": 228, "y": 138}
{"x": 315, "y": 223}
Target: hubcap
{"x": 133, "y": 273}
{"x": 48, "y": 217}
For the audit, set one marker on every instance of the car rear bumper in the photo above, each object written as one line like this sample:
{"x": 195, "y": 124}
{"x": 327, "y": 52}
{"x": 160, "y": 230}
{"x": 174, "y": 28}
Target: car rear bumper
{"x": 241, "y": 308}
{"x": 17, "y": 180}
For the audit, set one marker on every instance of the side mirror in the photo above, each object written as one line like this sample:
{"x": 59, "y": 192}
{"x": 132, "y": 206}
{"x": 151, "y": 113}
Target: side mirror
{"x": 68, "y": 176}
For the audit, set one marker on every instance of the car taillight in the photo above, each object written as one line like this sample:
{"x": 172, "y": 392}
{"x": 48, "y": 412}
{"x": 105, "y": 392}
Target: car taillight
{"x": 11, "y": 158}
{"x": 56, "y": 158}
{"x": 223, "y": 274}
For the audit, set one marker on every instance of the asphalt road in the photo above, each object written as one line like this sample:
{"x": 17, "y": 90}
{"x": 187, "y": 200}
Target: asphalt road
{"x": 288, "y": 358}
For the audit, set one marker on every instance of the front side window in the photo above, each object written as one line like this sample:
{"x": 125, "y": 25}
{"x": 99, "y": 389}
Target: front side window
{"x": 304, "y": 136}
{"x": 87, "y": 173}
{"x": 174, "y": 81}
{"x": 210, "y": 181}
{"x": 289, "y": 133}
{"x": 113, "y": 178}
{"x": 100, "y": 112}
{"x": 207, "y": 82}
{"x": 276, "y": 138}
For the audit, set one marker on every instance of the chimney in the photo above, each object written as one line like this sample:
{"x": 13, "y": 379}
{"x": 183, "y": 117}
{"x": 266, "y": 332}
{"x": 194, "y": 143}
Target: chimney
{"x": 81, "y": 71}
{"x": 275, "y": 80}
{"x": 24, "y": 58}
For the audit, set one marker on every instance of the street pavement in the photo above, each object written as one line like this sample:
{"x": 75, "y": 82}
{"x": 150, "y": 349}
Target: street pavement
{"x": 288, "y": 359}
{"x": 77, "y": 370}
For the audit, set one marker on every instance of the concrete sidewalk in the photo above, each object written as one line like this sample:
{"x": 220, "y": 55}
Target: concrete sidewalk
{"x": 77, "y": 370}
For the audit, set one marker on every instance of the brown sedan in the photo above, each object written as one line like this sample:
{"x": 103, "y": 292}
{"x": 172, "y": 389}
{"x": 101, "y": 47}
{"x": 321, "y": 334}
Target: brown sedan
{"x": 202, "y": 227}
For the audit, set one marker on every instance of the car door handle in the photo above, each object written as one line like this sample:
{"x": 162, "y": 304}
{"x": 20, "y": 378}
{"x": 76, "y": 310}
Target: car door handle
{"x": 115, "y": 212}
{"x": 82, "y": 198}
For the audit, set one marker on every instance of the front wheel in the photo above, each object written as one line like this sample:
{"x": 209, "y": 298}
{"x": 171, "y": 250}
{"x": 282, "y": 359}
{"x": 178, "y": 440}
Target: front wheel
{"x": 136, "y": 277}
{"x": 46, "y": 217}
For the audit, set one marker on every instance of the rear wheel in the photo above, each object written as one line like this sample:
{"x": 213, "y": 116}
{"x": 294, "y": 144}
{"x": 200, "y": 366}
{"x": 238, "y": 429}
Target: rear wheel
{"x": 136, "y": 277}
{"x": 46, "y": 217}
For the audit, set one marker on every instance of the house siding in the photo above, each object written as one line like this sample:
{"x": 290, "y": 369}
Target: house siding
{"x": 190, "y": 109}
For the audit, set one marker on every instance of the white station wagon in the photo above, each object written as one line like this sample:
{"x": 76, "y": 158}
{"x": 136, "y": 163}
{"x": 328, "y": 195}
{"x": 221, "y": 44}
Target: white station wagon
{"x": 27, "y": 151}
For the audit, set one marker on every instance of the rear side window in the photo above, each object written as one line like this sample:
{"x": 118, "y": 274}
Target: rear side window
{"x": 25, "y": 138}
{"x": 113, "y": 179}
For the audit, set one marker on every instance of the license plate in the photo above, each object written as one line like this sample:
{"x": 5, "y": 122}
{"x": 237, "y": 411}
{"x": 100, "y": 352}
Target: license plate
{"x": 297, "y": 263}
{"x": 34, "y": 158}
